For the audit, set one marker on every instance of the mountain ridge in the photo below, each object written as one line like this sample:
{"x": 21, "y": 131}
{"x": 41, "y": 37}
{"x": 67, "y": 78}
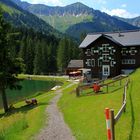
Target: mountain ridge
{"x": 133, "y": 21}
{"x": 55, "y": 10}
{"x": 76, "y": 18}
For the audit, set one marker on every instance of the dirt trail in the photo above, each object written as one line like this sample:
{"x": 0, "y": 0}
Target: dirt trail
{"x": 56, "y": 128}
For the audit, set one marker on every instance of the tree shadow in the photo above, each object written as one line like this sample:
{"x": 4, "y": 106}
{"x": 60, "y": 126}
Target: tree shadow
{"x": 22, "y": 109}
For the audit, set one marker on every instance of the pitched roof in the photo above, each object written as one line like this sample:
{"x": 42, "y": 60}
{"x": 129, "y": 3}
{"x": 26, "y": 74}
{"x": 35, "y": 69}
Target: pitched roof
{"x": 128, "y": 38}
{"x": 75, "y": 64}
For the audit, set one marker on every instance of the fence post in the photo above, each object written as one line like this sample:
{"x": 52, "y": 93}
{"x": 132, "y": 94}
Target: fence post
{"x": 112, "y": 124}
{"x": 125, "y": 88}
{"x": 107, "y": 114}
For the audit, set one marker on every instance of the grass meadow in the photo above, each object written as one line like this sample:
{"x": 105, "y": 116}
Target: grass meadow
{"x": 85, "y": 114}
{"x": 24, "y": 122}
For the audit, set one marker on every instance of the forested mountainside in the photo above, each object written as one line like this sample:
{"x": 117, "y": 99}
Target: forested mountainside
{"x": 44, "y": 54}
{"x": 19, "y": 17}
{"x": 38, "y": 43}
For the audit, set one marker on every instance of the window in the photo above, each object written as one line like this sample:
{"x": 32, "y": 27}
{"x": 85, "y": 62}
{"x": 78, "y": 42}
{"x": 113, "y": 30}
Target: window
{"x": 92, "y": 51}
{"x": 133, "y": 51}
{"x": 105, "y": 47}
{"x": 124, "y": 51}
{"x": 112, "y": 64}
{"x": 106, "y": 70}
{"x": 106, "y": 57}
{"x": 99, "y": 63}
{"x": 93, "y": 62}
{"x": 128, "y": 61}
{"x": 88, "y": 52}
{"x": 90, "y": 62}
{"x": 112, "y": 51}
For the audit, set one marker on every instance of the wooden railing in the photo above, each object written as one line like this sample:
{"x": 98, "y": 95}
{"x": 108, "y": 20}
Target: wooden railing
{"x": 101, "y": 83}
{"x": 115, "y": 79}
{"x": 115, "y": 119}
{"x": 87, "y": 86}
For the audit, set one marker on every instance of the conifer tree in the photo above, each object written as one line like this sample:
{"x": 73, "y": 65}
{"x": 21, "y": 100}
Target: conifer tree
{"x": 38, "y": 59}
{"x": 9, "y": 66}
{"x": 29, "y": 56}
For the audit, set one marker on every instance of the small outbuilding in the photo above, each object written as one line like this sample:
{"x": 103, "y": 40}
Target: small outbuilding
{"x": 74, "y": 66}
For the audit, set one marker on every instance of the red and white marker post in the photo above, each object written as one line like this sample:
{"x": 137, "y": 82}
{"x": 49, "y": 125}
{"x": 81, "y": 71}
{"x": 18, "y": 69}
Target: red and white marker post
{"x": 108, "y": 123}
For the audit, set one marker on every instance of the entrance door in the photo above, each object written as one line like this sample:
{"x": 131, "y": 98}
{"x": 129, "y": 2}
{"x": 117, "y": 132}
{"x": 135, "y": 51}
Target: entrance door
{"x": 106, "y": 70}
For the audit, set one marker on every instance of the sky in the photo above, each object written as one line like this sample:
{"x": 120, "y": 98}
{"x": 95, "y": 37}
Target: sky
{"x": 121, "y": 8}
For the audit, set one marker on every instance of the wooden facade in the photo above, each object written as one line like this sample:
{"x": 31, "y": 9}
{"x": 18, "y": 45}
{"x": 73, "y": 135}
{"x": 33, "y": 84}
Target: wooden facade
{"x": 107, "y": 56}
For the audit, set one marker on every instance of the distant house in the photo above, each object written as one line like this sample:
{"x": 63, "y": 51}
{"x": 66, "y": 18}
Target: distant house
{"x": 74, "y": 66}
{"x": 110, "y": 54}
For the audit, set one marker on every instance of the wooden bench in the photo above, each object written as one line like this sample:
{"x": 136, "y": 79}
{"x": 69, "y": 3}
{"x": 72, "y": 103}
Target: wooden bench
{"x": 31, "y": 102}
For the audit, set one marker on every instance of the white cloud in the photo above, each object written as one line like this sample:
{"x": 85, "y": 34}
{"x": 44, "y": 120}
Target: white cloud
{"x": 124, "y": 5}
{"x": 120, "y": 12}
{"x": 47, "y": 2}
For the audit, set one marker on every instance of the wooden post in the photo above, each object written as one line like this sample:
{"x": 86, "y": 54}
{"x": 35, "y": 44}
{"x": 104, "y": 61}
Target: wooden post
{"x": 125, "y": 88}
{"x": 77, "y": 92}
{"x": 112, "y": 124}
{"x": 123, "y": 97}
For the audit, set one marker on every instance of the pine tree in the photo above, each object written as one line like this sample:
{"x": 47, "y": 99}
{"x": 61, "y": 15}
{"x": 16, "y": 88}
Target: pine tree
{"x": 23, "y": 49}
{"x": 44, "y": 57}
{"x": 67, "y": 50}
{"x": 52, "y": 58}
{"x": 61, "y": 55}
{"x": 38, "y": 59}
{"x": 29, "y": 56}
{"x": 9, "y": 66}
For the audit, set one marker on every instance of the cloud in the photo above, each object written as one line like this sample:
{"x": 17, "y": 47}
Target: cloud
{"x": 120, "y": 12}
{"x": 124, "y": 5}
{"x": 47, "y": 2}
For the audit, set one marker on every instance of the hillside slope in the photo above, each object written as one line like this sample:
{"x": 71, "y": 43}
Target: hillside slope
{"x": 19, "y": 17}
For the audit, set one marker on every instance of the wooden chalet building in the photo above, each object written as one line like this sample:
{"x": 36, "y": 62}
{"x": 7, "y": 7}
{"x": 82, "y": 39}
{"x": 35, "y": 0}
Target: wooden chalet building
{"x": 110, "y": 54}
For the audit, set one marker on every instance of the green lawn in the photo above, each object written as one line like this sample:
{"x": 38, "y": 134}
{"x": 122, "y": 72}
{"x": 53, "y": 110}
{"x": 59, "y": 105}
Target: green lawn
{"x": 85, "y": 115}
{"x": 24, "y": 122}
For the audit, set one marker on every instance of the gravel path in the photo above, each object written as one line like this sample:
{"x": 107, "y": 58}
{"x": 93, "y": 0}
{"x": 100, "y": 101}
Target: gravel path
{"x": 56, "y": 128}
